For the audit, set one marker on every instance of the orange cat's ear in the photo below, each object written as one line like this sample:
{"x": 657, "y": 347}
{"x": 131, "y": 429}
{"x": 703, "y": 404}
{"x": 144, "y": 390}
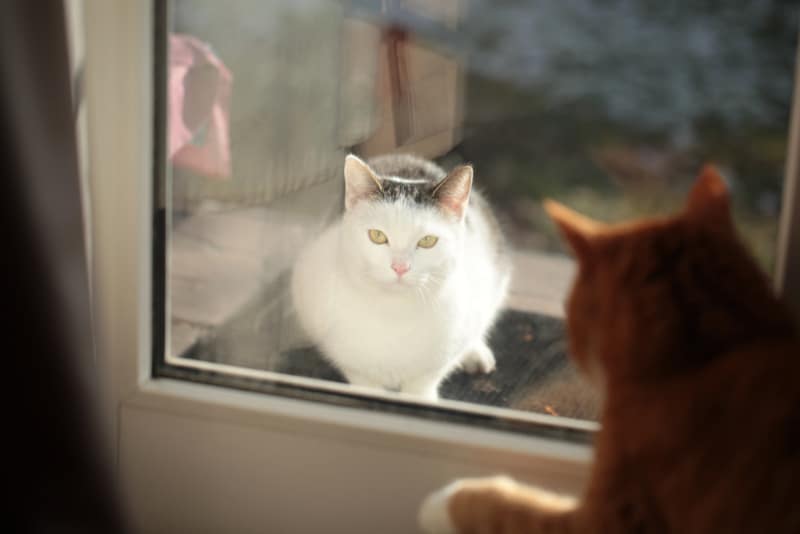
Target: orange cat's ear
{"x": 577, "y": 229}
{"x": 709, "y": 200}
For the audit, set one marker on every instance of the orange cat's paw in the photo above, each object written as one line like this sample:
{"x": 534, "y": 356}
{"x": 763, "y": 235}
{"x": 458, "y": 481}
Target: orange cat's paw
{"x": 435, "y": 512}
{"x": 434, "y": 517}
{"x": 478, "y": 504}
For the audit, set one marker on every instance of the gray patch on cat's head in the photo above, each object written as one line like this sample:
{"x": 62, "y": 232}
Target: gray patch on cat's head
{"x": 393, "y": 178}
{"x": 415, "y": 191}
{"x": 408, "y": 167}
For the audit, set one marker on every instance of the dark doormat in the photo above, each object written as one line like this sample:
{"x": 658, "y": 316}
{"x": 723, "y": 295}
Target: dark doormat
{"x": 533, "y": 370}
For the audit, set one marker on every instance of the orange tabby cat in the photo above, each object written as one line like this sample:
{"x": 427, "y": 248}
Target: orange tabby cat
{"x": 700, "y": 365}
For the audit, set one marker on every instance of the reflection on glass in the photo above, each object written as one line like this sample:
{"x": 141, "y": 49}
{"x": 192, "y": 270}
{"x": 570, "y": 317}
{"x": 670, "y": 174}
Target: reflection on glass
{"x": 610, "y": 108}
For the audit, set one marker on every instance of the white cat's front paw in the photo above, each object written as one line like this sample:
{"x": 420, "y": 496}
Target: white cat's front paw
{"x": 434, "y": 517}
{"x": 479, "y": 359}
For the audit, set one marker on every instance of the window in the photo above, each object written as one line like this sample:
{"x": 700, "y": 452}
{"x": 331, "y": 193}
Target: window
{"x": 274, "y": 458}
{"x": 608, "y": 108}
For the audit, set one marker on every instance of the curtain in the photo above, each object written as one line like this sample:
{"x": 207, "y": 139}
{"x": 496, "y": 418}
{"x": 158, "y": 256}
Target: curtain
{"x": 58, "y": 469}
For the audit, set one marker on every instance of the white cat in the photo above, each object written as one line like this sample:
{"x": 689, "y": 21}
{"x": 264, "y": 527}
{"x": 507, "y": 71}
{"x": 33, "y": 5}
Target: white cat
{"x": 406, "y": 286}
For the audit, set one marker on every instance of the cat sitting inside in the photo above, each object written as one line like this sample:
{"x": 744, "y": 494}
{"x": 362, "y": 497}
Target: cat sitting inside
{"x": 700, "y": 365}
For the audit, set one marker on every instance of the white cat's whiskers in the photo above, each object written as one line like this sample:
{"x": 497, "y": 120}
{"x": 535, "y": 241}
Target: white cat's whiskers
{"x": 421, "y": 294}
{"x": 426, "y": 291}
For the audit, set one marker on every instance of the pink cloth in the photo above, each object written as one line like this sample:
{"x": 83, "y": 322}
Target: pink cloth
{"x": 199, "y": 100}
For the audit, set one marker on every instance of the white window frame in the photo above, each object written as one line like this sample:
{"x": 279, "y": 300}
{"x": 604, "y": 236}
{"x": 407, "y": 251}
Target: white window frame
{"x": 200, "y": 458}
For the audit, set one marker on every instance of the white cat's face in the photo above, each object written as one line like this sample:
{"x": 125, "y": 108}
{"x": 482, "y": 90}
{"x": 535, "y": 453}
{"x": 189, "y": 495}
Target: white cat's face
{"x": 403, "y": 233}
{"x": 400, "y": 245}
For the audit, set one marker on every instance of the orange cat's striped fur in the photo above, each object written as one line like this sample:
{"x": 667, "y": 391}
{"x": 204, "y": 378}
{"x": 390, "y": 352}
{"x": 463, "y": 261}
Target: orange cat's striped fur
{"x": 700, "y": 365}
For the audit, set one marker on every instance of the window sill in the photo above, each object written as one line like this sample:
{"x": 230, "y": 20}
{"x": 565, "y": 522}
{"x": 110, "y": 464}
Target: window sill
{"x": 196, "y": 458}
{"x": 206, "y": 402}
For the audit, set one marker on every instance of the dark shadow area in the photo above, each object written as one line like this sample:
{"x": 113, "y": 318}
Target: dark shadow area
{"x": 533, "y": 369}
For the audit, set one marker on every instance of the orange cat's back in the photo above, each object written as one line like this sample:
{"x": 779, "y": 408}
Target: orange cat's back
{"x": 700, "y": 366}
{"x": 714, "y": 451}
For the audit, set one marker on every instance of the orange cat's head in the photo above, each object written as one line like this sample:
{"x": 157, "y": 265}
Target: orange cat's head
{"x": 657, "y": 296}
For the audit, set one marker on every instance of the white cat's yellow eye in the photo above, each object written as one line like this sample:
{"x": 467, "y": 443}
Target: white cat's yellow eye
{"x": 378, "y": 237}
{"x": 428, "y": 241}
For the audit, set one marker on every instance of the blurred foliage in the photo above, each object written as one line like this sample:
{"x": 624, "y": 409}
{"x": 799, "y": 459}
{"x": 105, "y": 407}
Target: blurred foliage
{"x": 612, "y": 107}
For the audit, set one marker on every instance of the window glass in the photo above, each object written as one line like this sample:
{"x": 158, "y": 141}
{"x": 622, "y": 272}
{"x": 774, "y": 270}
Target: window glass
{"x": 609, "y": 107}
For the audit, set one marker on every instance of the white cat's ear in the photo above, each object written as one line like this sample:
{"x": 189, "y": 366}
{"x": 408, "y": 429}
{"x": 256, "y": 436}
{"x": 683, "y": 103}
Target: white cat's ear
{"x": 452, "y": 193}
{"x": 360, "y": 181}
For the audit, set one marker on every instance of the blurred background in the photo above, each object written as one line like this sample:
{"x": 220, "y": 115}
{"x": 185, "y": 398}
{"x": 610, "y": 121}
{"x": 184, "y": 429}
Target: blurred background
{"x": 608, "y": 106}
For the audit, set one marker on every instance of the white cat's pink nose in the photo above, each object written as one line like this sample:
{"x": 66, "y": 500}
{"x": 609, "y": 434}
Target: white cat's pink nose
{"x": 400, "y": 268}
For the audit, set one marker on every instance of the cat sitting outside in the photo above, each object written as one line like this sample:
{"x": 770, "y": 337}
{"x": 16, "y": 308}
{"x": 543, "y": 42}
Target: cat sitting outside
{"x": 405, "y": 287}
{"x": 700, "y": 365}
